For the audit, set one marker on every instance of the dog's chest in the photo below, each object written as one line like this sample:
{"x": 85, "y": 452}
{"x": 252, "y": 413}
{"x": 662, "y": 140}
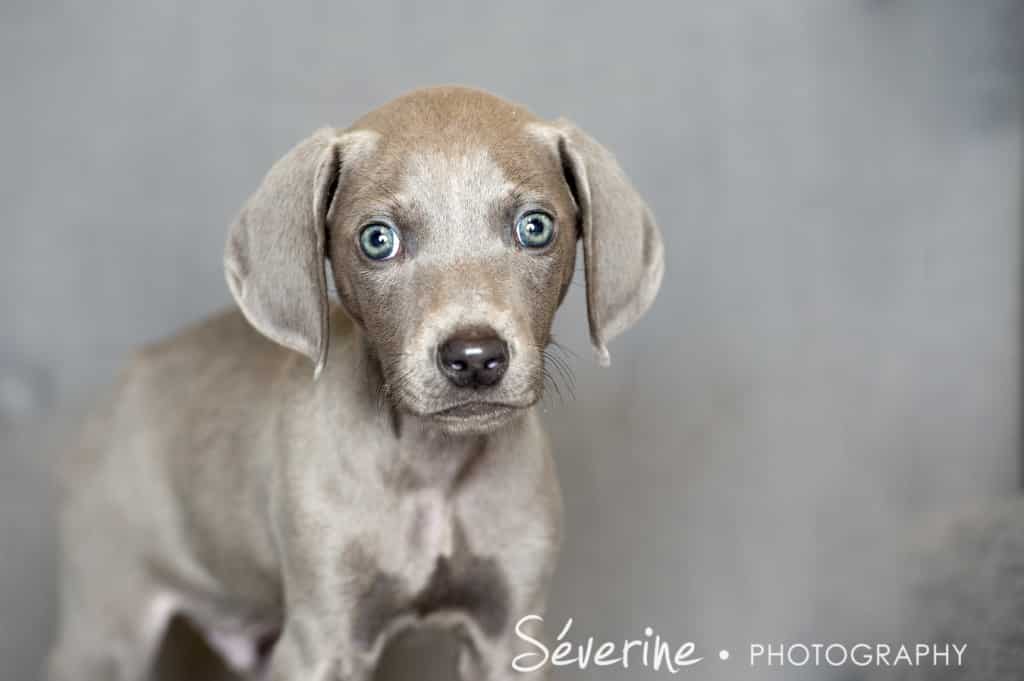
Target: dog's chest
{"x": 439, "y": 572}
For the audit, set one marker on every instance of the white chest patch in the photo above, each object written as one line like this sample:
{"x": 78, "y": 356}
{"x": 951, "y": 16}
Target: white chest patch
{"x": 429, "y": 526}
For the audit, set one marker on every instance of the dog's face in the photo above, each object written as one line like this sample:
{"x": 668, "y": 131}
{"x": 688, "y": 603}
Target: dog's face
{"x": 453, "y": 240}
{"x": 450, "y": 219}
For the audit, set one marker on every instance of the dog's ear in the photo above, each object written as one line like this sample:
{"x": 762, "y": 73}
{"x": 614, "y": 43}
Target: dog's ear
{"x": 274, "y": 259}
{"x": 622, "y": 249}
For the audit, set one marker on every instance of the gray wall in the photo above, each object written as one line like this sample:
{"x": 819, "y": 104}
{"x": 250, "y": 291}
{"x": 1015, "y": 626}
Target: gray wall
{"x": 834, "y": 352}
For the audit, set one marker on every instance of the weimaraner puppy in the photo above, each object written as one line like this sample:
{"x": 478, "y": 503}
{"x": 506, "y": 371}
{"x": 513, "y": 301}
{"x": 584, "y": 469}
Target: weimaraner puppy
{"x": 301, "y": 518}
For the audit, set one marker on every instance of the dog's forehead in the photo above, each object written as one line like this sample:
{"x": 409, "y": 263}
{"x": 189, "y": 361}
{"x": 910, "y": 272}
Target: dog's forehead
{"x": 452, "y": 188}
{"x": 457, "y": 136}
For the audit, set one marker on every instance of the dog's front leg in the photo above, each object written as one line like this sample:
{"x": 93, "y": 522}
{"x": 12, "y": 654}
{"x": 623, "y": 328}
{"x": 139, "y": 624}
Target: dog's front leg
{"x": 316, "y": 641}
{"x": 312, "y": 648}
{"x": 518, "y": 654}
{"x": 525, "y": 546}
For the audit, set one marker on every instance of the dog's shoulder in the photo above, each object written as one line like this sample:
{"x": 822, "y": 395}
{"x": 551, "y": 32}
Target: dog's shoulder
{"x": 224, "y": 353}
{"x": 218, "y": 361}
{"x": 220, "y": 333}
{"x": 221, "y": 346}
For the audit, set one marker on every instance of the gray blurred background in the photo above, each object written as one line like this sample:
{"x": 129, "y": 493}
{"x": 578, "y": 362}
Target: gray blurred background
{"x": 834, "y": 355}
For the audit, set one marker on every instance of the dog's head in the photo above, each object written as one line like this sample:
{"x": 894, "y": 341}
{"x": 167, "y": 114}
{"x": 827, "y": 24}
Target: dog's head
{"x": 450, "y": 219}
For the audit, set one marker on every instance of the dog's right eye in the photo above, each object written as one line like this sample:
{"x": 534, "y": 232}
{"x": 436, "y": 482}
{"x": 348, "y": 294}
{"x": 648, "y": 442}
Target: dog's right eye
{"x": 379, "y": 241}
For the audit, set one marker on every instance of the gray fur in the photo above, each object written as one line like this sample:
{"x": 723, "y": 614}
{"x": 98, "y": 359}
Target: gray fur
{"x": 223, "y": 484}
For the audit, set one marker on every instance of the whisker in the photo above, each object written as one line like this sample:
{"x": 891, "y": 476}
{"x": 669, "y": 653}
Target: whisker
{"x": 567, "y": 377}
{"x": 553, "y": 342}
{"x": 561, "y": 365}
{"x": 389, "y": 388}
{"x": 560, "y": 374}
{"x": 548, "y": 378}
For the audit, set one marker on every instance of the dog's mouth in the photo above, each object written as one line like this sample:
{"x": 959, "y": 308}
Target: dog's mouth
{"x": 470, "y": 410}
{"x": 476, "y": 415}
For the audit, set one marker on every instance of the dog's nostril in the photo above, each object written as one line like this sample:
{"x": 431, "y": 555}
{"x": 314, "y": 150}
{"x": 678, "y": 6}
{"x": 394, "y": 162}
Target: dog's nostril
{"x": 473, "y": 359}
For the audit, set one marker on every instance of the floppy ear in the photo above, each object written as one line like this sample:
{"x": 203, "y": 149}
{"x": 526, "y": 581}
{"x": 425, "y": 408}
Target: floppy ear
{"x": 622, "y": 249}
{"x": 274, "y": 259}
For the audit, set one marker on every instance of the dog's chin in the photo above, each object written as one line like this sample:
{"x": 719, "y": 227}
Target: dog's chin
{"x": 472, "y": 418}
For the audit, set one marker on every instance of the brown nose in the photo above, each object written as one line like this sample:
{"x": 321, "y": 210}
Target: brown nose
{"x": 473, "y": 360}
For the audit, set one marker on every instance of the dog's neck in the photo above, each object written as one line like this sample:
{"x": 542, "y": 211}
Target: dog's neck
{"x": 426, "y": 456}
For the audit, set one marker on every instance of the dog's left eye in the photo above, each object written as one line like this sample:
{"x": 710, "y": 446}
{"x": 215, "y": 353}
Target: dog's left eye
{"x": 535, "y": 229}
{"x": 379, "y": 241}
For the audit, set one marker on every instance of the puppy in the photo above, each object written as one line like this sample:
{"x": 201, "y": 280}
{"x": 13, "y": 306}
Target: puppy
{"x": 301, "y": 518}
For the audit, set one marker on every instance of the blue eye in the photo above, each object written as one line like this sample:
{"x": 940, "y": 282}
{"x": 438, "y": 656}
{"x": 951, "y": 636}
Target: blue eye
{"x": 379, "y": 241}
{"x": 535, "y": 229}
